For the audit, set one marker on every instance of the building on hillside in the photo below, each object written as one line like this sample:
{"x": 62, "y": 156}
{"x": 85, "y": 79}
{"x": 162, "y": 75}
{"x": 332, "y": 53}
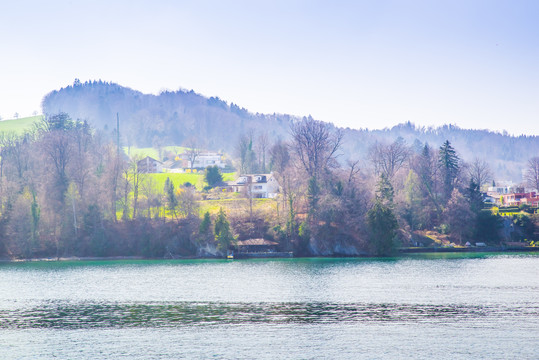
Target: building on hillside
{"x": 149, "y": 165}
{"x": 203, "y": 160}
{"x": 516, "y": 199}
{"x": 173, "y": 166}
{"x": 255, "y": 185}
{"x": 501, "y": 188}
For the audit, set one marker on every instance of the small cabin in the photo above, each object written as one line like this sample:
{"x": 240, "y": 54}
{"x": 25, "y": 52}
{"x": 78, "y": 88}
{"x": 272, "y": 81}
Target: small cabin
{"x": 256, "y": 246}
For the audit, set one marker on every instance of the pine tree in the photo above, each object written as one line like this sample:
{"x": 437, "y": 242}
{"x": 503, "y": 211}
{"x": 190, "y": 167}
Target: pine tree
{"x": 449, "y": 164}
{"x": 172, "y": 201}
{"x": 223, "y": 235}
{"x": 382, "y": 221}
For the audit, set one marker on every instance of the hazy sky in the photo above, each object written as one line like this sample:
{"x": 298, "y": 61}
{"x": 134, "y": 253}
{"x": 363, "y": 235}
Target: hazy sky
{"x": 368, "y": 64}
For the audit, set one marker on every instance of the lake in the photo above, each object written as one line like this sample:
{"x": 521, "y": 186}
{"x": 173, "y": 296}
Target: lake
{"x": 422, "y": 306}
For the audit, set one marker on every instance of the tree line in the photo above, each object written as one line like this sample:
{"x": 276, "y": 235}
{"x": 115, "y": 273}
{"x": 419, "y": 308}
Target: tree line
{"x": 69, "y": 190}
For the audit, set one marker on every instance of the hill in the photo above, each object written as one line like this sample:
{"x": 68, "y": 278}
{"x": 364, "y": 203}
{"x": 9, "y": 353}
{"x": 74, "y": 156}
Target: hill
{"x": 171, "y": 118}
{"x": 20, "y": 125}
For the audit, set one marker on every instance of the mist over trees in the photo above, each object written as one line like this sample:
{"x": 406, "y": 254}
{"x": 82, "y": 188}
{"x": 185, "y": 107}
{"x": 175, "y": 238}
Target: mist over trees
{"x": 175, "y": 117}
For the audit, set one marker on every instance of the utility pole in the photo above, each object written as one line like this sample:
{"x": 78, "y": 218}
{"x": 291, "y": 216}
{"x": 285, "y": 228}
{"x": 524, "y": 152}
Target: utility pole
{"x": 118, "y": 133}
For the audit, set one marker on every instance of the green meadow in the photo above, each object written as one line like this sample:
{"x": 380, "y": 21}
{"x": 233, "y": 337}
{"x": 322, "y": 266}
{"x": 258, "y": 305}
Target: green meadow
{"x": 180, "y": 179}
{"x": 19, "y": 126}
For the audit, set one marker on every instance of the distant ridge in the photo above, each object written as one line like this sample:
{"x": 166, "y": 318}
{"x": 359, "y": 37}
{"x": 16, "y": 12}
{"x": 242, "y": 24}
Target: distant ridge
{"x": 172, "y": 117}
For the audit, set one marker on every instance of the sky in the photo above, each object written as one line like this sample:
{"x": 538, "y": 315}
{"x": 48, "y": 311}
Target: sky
{"x": 358, "y": 64}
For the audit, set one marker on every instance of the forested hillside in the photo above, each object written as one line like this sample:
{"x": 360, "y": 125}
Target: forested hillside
{"x": 172, "y": 118}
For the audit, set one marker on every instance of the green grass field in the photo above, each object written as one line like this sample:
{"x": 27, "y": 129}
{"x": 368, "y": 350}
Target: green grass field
{"x": 180, "y": 179}
{"x": 19, "y": 126}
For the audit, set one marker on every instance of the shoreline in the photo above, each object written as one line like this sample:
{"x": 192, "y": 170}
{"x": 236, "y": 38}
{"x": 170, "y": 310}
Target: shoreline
{"x": 412, "y": 250}
{"x": 401, "y": 251}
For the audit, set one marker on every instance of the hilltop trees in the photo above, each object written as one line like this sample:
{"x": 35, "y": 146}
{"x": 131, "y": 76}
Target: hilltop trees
{"x": 63, "y": 186}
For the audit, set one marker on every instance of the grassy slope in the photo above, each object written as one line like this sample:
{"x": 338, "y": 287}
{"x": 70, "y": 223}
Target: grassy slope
{"x": 180, "y": 179}
{"x": 19, "y": 126}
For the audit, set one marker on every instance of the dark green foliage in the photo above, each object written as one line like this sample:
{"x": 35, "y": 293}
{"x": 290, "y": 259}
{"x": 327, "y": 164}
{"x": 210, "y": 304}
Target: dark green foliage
{"x": 474, "y": 197}
{"x": 205, "y": 234}
{"x": 487, "y": 227}
{"x": 383, "y": 229}
{"x": 449, "y": 164}
{"x": 213, "y": 176}
{"x": 223, "y": 235}
{"x": 94, "y": 229}
{"x": 382, "y": 221}
{"x": 304, "y": 237}
{"x": 205, "y": 224}
{"x": 60, "y": 121}
{"x": 170, "y": 193}
{"x": 384, "y": 191}
{"x": 526, "y": 225}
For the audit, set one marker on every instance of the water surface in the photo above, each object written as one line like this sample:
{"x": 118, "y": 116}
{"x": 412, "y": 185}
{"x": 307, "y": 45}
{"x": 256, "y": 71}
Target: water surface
{"x": 424, "y": 306}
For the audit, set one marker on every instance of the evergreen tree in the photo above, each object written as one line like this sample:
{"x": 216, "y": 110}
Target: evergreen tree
{"x": 204, "y": 228}
{"x": 172, "y": 200}
{"x": 475, "y": 199}
{"x": 223, "y": 235}
{"x": 213, "y": 175}
{"x": 382, "y": 221}
{"x": 384, "y": 191}
{"x": 449, "y": 164}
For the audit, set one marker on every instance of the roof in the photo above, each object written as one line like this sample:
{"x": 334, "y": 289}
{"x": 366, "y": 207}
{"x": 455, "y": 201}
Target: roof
{"x": 254, "y": 179}
{"x": 150, "y": 159}
{"x": 258, "y": 242}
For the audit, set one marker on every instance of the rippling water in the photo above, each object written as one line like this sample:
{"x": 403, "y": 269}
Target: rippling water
{"x": 441, "y": 306}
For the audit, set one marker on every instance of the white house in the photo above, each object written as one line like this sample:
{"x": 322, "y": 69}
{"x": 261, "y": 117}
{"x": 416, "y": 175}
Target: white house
{"x": 256, "y": 185}
{"x": 203, "y": 160}
{"x": 149, "y": 165}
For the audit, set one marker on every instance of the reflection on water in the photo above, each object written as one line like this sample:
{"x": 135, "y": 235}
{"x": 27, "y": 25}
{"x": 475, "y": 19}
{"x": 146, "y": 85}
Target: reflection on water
{"x": 155, "y": 315}
{"x": 440, "y": 306}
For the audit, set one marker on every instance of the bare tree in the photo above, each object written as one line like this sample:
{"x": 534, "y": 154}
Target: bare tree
{"x": 193, "y": 151}
{"x": 262, "y": 147}
{"x": 136, "y": 177}
{"x": 532, "y": 173}
{"x": 242, "y": 149}
{"x": 280, "y": 161}
{"x": 479, "y": 172}
{"x": 388, "y": 159}
{"x": 316, "y": 145}
{"x": 354, "y": 170}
